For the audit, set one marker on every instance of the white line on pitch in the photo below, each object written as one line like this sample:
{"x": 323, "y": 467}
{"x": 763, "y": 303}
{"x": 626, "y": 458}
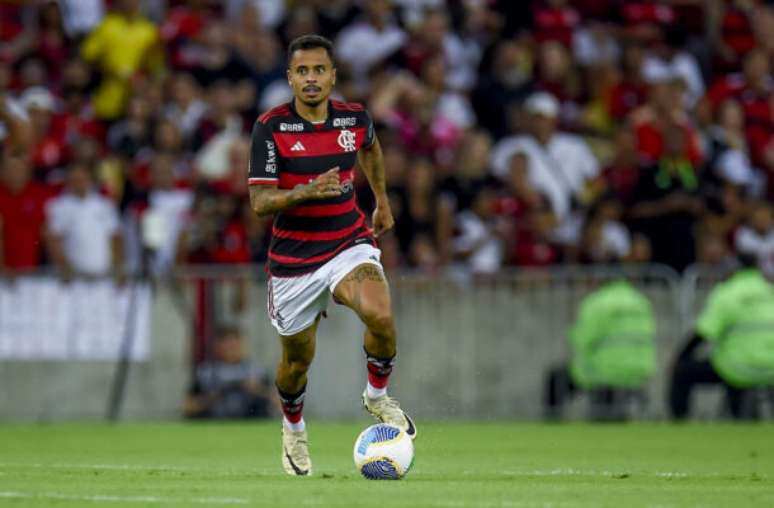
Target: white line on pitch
{"x": 123, "y": 499}
{"x": 122, "y": 467}
{"x": 128, "y": 467}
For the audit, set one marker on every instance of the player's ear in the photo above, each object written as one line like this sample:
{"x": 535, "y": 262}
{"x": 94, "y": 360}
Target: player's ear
{"x": 333, "y": 81}
{"x": 287, "y": 73}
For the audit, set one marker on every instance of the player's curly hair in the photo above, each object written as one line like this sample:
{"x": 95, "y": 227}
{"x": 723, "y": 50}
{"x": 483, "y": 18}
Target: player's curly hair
{"x": 311, "y": 41}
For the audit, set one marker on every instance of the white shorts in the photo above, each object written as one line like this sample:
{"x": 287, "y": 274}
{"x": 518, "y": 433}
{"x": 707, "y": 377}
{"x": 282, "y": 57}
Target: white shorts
{"x": 295, "y": 302}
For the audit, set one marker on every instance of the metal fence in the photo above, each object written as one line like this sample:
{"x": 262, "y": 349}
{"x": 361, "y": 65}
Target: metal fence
{"x": 468, "y": 348}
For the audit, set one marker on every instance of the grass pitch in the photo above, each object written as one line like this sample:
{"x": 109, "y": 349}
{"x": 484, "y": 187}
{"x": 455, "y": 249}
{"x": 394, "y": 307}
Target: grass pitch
{"x": 486, "y": 465}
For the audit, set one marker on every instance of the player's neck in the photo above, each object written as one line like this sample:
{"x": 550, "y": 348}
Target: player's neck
{"x": 313, "y": 114}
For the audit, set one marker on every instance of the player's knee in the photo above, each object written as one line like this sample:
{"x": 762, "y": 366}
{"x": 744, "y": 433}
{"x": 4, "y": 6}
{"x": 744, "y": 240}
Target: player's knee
{"x": 379, "y": 321}
{"x": 298, "y": 367}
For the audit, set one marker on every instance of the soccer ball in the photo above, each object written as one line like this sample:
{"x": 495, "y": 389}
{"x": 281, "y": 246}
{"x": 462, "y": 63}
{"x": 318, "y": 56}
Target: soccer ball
{"x": 383, "y": 452}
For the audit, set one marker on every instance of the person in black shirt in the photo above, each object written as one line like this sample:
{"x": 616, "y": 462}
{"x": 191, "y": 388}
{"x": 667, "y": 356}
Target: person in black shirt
{"x": 230, "y": 386}
{"x": 667, "y": 206}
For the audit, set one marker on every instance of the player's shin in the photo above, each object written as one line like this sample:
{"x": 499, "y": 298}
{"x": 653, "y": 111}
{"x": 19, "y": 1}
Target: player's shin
{"x": 292, "y": 409}
{"x": 379, "y": 370}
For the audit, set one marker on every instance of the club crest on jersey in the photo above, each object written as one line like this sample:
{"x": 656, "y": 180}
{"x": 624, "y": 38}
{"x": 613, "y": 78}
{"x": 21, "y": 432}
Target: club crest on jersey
{"x": 347, "y": 140}
{"x": 347, "y": 121}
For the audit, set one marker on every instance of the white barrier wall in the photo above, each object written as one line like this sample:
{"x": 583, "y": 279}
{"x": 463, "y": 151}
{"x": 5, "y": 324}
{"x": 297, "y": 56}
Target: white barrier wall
{"x": 466, "y": 350}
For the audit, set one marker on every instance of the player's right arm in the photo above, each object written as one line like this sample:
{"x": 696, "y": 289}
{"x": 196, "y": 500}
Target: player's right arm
{"x": 265, "y": 197}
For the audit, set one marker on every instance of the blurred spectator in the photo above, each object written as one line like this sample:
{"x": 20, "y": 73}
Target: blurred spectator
{"x": 407, "y": 106}
{"x": 81, "y": 16}
{"x": 558, "y": 165}
{"x": 623, "y": 171}
{"x": 83, "y": 229}
{"x": 480, "y": 239}
{"x": 183, "y": 24}
{"x": 604, "y": 238}
{"x": 669, "y": 58}
{"x": 214, "y": 60}
{"x": 756, "y": 237}
{"x": 507, "y": 83}
{"x": 631, "y": 91}
{"x": 217, "y": 130}
{"x": 557, "y": 76}
{"x": 664, "y": 111}
{"x": 556, "y": 21}
{"x": 457, "y": 191}
{"x": 754, "y": 89}
{"x": 51, "y": 42}
{"x": 416, "y": 210}
{"x": 269, "y": 13}
{"x": 450, "y": 104}
{"x": 732, "y": 31}
{"x": 612, "y": 348}
{"x": 124, "y": 44}
{"x": 187, "y": 107}
{"x": 162, "y": 217}
{"x": 532, "y": 221}
{"x": 433, "y": 37}
{"x": 15, "y": 129}
{"x": 370, "y": 40}
{"x": 22, "y": 214}
{"x": 129, "y": 136}
{"x": 229, "y": 385}
{"x": 666, "y": 204}
{"x": 75, "y": 118}
{"x": 595, "y": 45}
{"x": 49, "y": 149}
{"x": 737, "y": 323}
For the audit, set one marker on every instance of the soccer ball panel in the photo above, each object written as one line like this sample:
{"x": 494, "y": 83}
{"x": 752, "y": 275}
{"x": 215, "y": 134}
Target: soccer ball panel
{"x": 383, "y": 452}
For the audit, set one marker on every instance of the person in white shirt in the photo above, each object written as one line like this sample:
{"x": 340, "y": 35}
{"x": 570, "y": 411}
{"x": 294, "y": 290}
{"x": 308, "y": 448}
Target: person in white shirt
{"x": 560, "y": 166}
{"x": 367, "y": 42}
{"x": 756, "y": 238}
{"x": 83, "y": 232}
{"x": 166, "y": 217}
{"x": 81, "y": 16}
{"x": 480, "y": 239}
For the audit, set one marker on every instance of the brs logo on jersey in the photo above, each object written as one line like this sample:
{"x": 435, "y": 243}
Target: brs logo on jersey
{"x": 271, "y": 157}
{"x": 347, "y": 121}
{"x": 291, "y": 127}
{"x": 347, "y": 140}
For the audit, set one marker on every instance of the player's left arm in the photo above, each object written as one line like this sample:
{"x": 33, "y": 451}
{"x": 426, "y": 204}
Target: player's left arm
{"x": 371, "y": 161}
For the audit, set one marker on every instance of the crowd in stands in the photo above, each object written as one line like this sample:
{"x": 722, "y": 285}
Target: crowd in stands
{"x": 514, "y": 133}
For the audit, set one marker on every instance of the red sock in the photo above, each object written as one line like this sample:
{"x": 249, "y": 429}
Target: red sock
{"x": 292, "y": 405}
{"x": 379, "y": 370}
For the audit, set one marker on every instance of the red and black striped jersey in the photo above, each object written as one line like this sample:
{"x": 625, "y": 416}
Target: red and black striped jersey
{"x": 288, "y": 150}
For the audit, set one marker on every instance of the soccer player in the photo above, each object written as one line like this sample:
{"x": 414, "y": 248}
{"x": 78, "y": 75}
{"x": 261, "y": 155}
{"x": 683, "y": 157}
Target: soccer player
{"x": 302, "y": 169}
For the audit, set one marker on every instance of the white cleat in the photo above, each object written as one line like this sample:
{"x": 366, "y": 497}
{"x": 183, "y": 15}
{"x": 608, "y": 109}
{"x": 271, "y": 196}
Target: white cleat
{"x": 295, "y": 453}
{"x": 387, "y": 410}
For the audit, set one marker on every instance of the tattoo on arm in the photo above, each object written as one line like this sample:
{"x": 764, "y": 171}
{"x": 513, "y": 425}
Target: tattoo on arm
{"x": 372, "y": 164}
{"x": 269, "y": 200}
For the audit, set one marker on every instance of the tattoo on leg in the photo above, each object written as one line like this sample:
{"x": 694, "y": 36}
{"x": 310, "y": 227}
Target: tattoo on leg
{"x": 366, "y": 272}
